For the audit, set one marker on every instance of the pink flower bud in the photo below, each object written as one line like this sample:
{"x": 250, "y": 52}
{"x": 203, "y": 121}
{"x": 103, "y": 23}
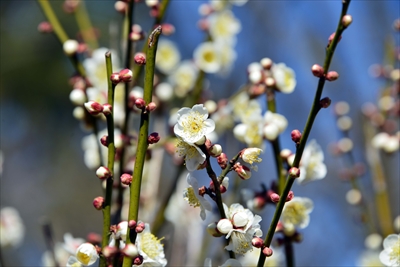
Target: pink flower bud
{"x": 121, "y": 6}
{"x": 347, "y": 20}
{"x": 266, "y": 63}
{"x": 115, "y": 79}
{"x": 125, "y": 75}
{"x": 267, "y": 252}
{"x": 153, "y": 138}
{"x": 151, "y": 106}
{"x": 317, "y": 70}
{"x": 104, "y": 140}
{"x": 296, "y": 136}
{"x": 140, "y": 58}
{"x": 126, "y": 179}
{"x": 107, "y": 109}
{"x": 275, "y": 197}
{"x": 215, "y": 150}
{"x": 222, "y": 160}
{"x": 294, "y": 172}
{"x": 140, "y": 227}
{"x": 93, "y": 107}
{"x": 130, "y": 250}
{"x": 290, "y": 196}
{"x": 109, "y": 252}
{"x": 132, "y": 224}
{"x": 325, "y": 102}
{"x": 222, "y": 189}
{"x": 167, "y": 29}
{"x": 332, "y": 76}
{"x": 45, "y": 27}
{"x": 242, "y": 170}
{"x": 138, "y": 260}
{"x": 331, "y": 37}
{"x": 103, "y": 173}
{"x": 98, "y": 203}
{"x": 140, "y": 103}
{"x": 257, "y": 242}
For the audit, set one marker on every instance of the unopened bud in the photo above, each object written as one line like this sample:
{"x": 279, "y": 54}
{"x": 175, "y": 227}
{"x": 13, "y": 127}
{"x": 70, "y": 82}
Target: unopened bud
{"x": 257, "y": 242}
{"x": 140, "y": 103}
{"x": 70, "y": 47}
{"x": 140, "y": 58}
{"x": 77, "y": 97}
{"x": 240, "y": 219}
{"x": 242, "y": 170}
{"x": 331, "y": 37}
{"x": 98, "y": 203}
{"x": 332, "y": 76}
{"x": 153, "y": 138}
{"x": 266, "y": 63}
{"x": 126, "y": 179}
{"x": 296, "y": 136}
{"x": 140, "y": 227}
{"x": 290, "y": 196}
{"x": 109, "y": 251}
{"x": 107, "y": 109}
{"x": 130, "y": 250}
{"x": 132, "y": 224}
{"x": 103, "y": 173}
{"x": 138, "y": 260}
{"x": 115, "y": 79}
{"x": 215, "y": 150}
{"x": 104, "y": 140}
{"x": 317, "y": 70}
{"x": 222, "y": 160}
{"x": 151, "y": 3}
{"x": 125, "y": 75}
{"x": 270, "y": 82}
{"x": 121, "y": 6}
{"x": 151, "y": 106}
{"x": 267, "y": 252}
{"x": 201, "y": 141}
{"x": 45, "y": 27}
{"x": 325, "y": 102}
{"x": 347, "y": 20}
{"x": 167, "y": 29}
{"x": 224, "y": 226}
{"x": 294, "y": 172}
{"x": 93, "y": 107}
{"x": 275, "y": 197}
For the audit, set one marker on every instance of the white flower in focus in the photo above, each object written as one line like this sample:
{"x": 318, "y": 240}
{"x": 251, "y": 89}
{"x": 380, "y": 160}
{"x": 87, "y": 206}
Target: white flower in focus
{"x": 184, "y": 77}
{"x": 207, "y": 57}
{"x": 285, "y": 78}
{"x": 390, "y": 255}
{"x": 12, "y": 229}
{"x": 296, "y": 213}
{"x": 246, "y": 226}
{"x": 312, "y": 166}
{"x": 224, "y": 25}
{"x": 250, "y": 155}
{"x": 191, "y": 195}
{"x": 167, "y": 57}
{"x": 86, "y": 254}
{"x": 191, "y": 153}
{"x": 150, "y": 248}
{"x": 193, "y": 124}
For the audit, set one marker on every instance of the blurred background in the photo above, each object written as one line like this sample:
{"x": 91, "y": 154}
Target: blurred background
{"x": 43, "y": 174}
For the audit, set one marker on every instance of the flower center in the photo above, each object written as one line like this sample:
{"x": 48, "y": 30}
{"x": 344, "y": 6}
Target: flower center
{"x": 185, "y": 150}
{"x": 191, "y": 198}
{"x": 241, "y": 244}
{"x": 83, "y": 257}
{"x": 209, "y": 56}
{"x": 193, "y": 124}
{"x": 295, "y": 213}
{"x": 394, "y": 255}
{"x": 150, "y": 245}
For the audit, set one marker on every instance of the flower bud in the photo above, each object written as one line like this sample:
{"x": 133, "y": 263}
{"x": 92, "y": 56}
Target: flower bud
{"x": 275, "y": 197}
{"x": 109, "y": 252}
{"x": 140, "y": 58}
{"x": 126, "y": 179}
{"x": 107, "y": 109}
{"x": 257, "y": 242}
{"x": 224, "y": 226}
{"x": 98, "y": 203}
{"x": 140, "y": 227}
{"x": 222, "y": 160}
{"x": 317, "y": 70}
{"x": 243, "y": 171}
{"x": 151, "y": 106}
{"x": 296, "y": 136}
{"x": 332, "y": 76}
{"x": 266, "y": 63}
{"x": 325, "y": 102}
{"x": 151, "y": 3}
{"x": 93, "y": 107}
{"x": 45, "y": 27}
{"x": 121, "y": 6}
{"x": 125, "y": 75}
{"x": 270, "y": 82}
{"x": 132, "y": 224}
{"x": 240, "y": 219}
{"x": 212, "y": 230}
{"x": 153, "y": 138}
{"x": 86, "y": 254}
{"x": 115, "y": 79}
{"x": 70, "y": 47}
{"x": 130, "y": 250}
{"x": 347, "y": 20}
{"x": 167, "y": 29}
{"x": 77, "y": 97}
{"x": 267, "y": 252}
{"x": 140, "y": 103}
{"x": 78, "y": 113}
{"x": 290, "y": 196}
{"x": 294, "y": 172}
{"x": 103, "y": 173}
{"x": 331, "y": 37}
{"x": 215, "y": 150}
{"x": 138, "y": 260}
{"x": 104, "y": 140}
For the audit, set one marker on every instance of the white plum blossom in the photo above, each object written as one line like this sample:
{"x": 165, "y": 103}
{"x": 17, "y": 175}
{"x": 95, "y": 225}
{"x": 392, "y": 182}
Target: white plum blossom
{"x": 224, "y": 25}
{"x": 193, "y": 124}
{"x": 312, "y": 166}
{"x": 285, "y": 78}
{"x": 191, "y": 195}
{"x": 207, "y": 57}
{"x": 150, "y": 248}
{"x": 184, "y": 77}
{"x": 168, "y": 56}
{"x": 245, "y": 227}
{"x": 250, "y": 156}
{"x": 63, "y": 252}
{"x": 296, "y": 213}
{"x": 250, "y": 131}
{"x": 390, "y": 255}
{"x": 191, "y": 153}
{"x": 12, "y": 229}
{"x": 369, "y": 258}
{"x": 274, "y": 124}
{"x": 86, "y": 254}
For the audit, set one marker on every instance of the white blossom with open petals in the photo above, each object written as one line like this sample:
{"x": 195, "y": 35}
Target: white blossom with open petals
{"x": 224, "y": 25}
{"x": 285, "y": 78}
{"x": 312, "y": 166}
{"x": 207, "y": 57}
{"x": 390, "y": 255}
{"x": 167, "y": 57}
{"x": 150, "y": 248}
{"x": 246, "y": 226}
{"x": 191, "y": 195}
{"x": 274, "y": 124}
{"x": 296, "y": 213}
{"x": 250, "y": 155}
{"x": 191, "y": 153}
{"x": 184, "y": 77}
{"x": 250, "y": 131}
{"x": 193, "y": 124}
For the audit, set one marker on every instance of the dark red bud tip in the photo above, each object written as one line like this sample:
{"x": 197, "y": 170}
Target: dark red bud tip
{"x": 153, "y": 138}
{"x": 296, "y": 136}
{"x": 325, "y": 102}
